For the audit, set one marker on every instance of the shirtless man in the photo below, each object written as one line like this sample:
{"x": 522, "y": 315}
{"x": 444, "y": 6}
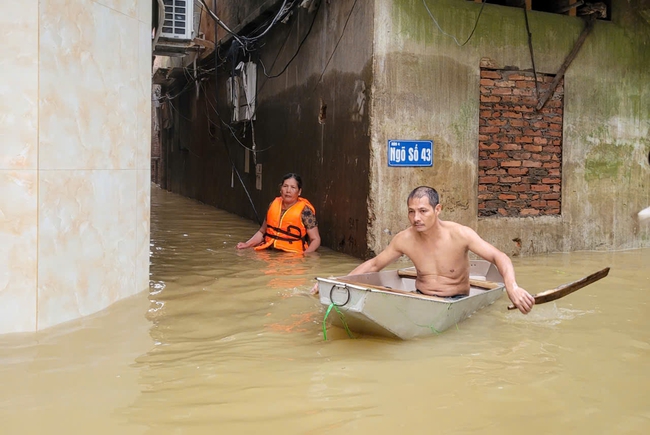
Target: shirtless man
{"x": 439, "y": 251}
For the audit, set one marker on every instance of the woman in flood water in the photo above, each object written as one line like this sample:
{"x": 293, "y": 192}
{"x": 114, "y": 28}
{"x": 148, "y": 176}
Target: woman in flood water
{"x": 290, "y": 223}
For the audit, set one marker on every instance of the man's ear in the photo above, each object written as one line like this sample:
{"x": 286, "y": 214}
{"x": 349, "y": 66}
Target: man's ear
{"x": 438, "y": 208}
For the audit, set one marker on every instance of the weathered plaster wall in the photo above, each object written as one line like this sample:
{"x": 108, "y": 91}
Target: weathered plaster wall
{"x": 332, "y": 155}
{"x": 427, "y": 87}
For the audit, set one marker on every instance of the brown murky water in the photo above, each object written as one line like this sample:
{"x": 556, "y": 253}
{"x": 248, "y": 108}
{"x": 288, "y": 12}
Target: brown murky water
{"x": 230, "y": 342}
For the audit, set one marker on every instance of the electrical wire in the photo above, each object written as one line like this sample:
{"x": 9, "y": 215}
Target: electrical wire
{"x": 232, "y": 131}
{"x": 246, "y": 42}
{"x": 530, "y": 48}
{"x": 216, "y": 82}
{"x": 337, "y": 43}
{"x": 451, "y": 36}
{"x": 297, "y": 50}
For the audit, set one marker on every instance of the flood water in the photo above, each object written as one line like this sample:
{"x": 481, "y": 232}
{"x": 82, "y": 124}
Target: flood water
{"x": 229, "y": 342}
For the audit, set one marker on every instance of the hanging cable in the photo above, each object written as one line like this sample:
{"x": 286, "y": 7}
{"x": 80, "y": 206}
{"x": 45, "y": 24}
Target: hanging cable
{"x": 530, "y": 48}
{"x": 223, "y": 136}
{"x": 337, "y": 43}
{"x": 297, "y": 50}
{"x": 451, "y": 36}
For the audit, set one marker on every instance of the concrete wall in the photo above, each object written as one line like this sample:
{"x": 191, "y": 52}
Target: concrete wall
{"x": 74, "y": 158}
{"x": 331, "y": 154}
{"x": 427, "y": 87}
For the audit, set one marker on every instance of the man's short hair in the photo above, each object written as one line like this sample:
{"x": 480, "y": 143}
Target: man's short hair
{"x": 421, "y": 192}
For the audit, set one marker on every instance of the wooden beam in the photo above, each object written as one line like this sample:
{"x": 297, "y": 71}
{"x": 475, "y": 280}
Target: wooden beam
{"x": 589, "y": 24}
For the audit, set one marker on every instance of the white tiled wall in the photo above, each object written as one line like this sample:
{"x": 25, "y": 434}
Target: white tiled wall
{"x": 74, "y": 158}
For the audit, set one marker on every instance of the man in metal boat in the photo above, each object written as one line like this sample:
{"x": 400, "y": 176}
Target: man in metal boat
{"x": 439, "y": 251}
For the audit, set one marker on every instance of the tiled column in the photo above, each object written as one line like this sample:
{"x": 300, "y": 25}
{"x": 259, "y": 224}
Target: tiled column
{"x": 18, "y": 165}
{"x": 74, "y": 160}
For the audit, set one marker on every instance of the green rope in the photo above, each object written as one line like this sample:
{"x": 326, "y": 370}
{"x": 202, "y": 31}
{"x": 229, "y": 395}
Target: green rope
{"x": 434, "y": 330}
{"x": 345, "y": 325}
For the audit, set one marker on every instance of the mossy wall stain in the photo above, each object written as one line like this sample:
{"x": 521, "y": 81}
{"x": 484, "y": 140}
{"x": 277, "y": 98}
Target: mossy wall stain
{"x": 605, "y": 162}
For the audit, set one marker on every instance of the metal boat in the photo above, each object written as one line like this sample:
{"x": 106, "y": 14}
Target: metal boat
{"x": 386, "y": 303}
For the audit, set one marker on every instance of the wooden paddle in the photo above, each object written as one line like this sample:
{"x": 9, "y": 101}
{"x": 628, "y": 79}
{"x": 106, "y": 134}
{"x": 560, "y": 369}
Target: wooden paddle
{"x": 565, "y": 289}
{"x": 403, "y": 273}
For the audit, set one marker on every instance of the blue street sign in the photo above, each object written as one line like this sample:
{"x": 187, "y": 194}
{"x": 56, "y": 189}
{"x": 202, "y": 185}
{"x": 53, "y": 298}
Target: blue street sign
{"x": 410, "y": 153}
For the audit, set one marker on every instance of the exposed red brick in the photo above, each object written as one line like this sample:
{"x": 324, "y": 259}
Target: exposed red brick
{"x": 517, "y": 171}
{"x": 525, "y": 84}
{"x": 519, "y": 148}
{"x": 490, "y": 74}
{"x": 497, "y": 122}
{"x": 517, "y": 76}
{"x": 525, "y": 92}
{"x": 487, "y": 163}
{"x": 530, "y": 132}
{"x": 488, "y": 129}
{"x": 524, "y": 108}
{"x": 502, "y": 91}
{"x": 513, "y": 132}
{"x": 511, "y": 99}
{"x": 490, "y": 99}
{"x": 540, "y": 140}
{"x": 488, "y": 146}
{"x": 510, "y": 179}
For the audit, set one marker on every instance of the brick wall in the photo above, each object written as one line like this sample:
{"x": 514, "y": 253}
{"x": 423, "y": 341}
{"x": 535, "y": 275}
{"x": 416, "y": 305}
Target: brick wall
{"x": 520, "y": 149}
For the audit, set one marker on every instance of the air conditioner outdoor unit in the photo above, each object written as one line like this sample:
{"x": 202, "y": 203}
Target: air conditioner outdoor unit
{"x": 178, "y": 20}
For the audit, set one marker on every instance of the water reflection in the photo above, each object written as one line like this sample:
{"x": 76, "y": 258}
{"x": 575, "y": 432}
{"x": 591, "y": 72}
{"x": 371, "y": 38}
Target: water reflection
{"x": 230, "y": 341}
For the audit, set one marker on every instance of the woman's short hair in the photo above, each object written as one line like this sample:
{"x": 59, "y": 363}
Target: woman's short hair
{"x": 293, "y": 175}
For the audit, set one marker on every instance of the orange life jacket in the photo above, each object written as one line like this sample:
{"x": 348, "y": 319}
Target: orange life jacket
{"x": 286, "y": 231}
